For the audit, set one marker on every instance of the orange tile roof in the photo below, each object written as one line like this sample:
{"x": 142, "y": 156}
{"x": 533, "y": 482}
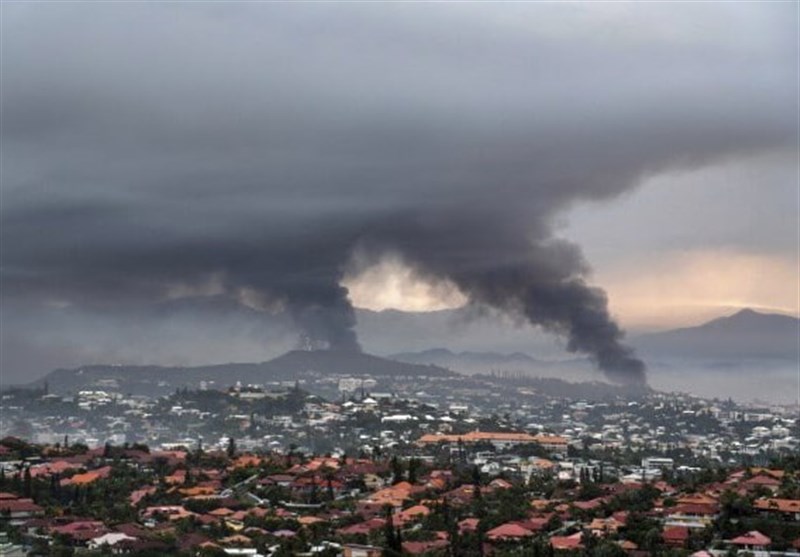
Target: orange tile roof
{"x": 197, "y": 490}
{"x": 412, "y": 513}
{"x": 246, "y": 461}
{"x": 87, "y": 477}
{"x": 305, "y": 520}
{"x": 393, "y": 495}
{"x": 779, "y": 505}
{"x": 697, "y": 499}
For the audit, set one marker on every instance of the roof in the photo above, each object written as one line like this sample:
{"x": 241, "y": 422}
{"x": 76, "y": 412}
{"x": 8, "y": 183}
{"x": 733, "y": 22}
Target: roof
{"x": 139, "y": 494}
{"x": 412, "y": 513}
{"x": 468, "y": 525}
{"x": 697, "y": 499}
{"x": 695, "y": 509}
{"x": 392, "y": 495}
{"x": 763, "y": 480}
{"x": 588, "y": 505}
{"x": 19, "y": 506}
{"x": 363, "y": 527}
{"x": 88, "y": 477}
{"x": 567, "y": 542}
{"x": 778, "y": 505}
{"x": 609, "y": 523}
{"x": 53, "y": 467}
{"x": 112, "y": 538}
{"x": 676, "y": 534}
{"x": 416, "y": 548}
{"x": 508, "y": 530}
{"x": 753, "y": 537}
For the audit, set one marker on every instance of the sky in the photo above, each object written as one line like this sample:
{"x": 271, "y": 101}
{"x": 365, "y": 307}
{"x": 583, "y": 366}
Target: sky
{"x": 585, "y": 167}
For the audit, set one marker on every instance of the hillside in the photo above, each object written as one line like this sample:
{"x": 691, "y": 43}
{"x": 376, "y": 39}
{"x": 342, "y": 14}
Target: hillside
{"x": 468, "y": 361}
{"x": 288, "y": 367}
{"x": 356, "y": 363}
{"x": 744, "y": 335}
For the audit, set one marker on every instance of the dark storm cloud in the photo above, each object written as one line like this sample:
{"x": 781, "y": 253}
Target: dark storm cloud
{"x": 151, "y": 147}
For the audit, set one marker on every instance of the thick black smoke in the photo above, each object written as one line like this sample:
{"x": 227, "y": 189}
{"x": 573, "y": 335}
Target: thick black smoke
{"x": 153, "y": 152}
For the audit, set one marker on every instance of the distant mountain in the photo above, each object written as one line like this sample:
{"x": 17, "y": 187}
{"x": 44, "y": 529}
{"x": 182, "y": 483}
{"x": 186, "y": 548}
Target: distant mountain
{"x": 358, "y": 363}
{"x": 288, "y": 367}
{"x": 574, "y": 369}
{"x": 747, "y": 334}
{"x": 483, "y": 361}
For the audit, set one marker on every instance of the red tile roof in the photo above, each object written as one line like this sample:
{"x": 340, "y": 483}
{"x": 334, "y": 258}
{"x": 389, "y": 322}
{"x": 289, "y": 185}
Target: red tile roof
{"x": 19, "y": 506}
{"x": 510, "y": 530}
{"x": 417, "y": 548}
{"x": 753, "y": 537}
{"x": 567, "y": 542}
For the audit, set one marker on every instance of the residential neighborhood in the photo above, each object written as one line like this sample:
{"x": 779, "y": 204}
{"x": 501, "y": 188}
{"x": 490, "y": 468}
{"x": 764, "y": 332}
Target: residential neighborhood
{"x": 422, "y": 467}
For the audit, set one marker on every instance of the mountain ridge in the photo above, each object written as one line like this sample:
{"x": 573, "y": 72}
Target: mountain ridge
{"x": 746, "y": 334}
{"x": 150, "y": 379}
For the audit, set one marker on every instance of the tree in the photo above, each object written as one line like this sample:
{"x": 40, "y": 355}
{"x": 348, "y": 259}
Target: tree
{"x": 27, "y": 483}
{"x": 608, "y": 548}
{"x": 397, "y": 470}
{"x": 329, "y": 481}
{"x": 476, "y": 483}
{"x": 413, "y": 470}
{"x": 231, "y": 447}
{"x": 390, "y": 534}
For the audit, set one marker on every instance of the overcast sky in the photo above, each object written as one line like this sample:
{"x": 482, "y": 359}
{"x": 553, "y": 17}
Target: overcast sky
{"x": 422, "y": 155}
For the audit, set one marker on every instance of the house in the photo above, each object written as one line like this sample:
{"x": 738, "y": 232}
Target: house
{"x": 81, "y": 531}
{"x": 752, "y": 541}
{"x": 604, "y": 526}
{"x": 762, "y": 482}
{"x": 17, "y": 511}
{"x": 110, "y": 539}
{"x": 692, "y": 515}
{"x": 508, "y": 532}
{"x": 500, "y": 440}
{"x": 589, "y": 505}
{"x": 87, "y": 477}
{"x": 575, "y": 541}
{"x": 535, "y": 524}
{"x": 362, "y": 527}
{"x": 419, "y": 548}
{"x": 468, "y": 525}
{"x": 411, "y": 514}
{"x": 675, "y": 536}
{"x": 357, "y": 550}
{"x": 789, "y": 509}
{"x": 393, "y": 495}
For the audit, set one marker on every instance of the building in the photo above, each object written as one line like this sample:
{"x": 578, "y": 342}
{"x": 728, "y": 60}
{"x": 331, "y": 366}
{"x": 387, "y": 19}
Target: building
{"x": 500, "y": 440}
{"x": 356, "y": 550}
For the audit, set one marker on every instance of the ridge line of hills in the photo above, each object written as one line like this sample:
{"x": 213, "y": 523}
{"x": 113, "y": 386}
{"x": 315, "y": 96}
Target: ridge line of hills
{"x": 287, "y": 367}
{"x": 744, "y": 335}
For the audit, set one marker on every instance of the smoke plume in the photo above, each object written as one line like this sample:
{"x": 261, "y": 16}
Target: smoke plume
{"x": 249, "y": 151}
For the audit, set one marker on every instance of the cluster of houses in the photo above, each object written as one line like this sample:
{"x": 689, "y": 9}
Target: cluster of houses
{"x": 400, "y": 410}
{"x": 260, "y": 504}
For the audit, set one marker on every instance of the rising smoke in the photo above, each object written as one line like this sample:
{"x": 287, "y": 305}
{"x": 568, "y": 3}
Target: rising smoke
{"x": 272, "y": 142}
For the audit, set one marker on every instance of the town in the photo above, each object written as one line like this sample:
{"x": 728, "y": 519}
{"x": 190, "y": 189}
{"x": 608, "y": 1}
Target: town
{"x": 360, "y": 465}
